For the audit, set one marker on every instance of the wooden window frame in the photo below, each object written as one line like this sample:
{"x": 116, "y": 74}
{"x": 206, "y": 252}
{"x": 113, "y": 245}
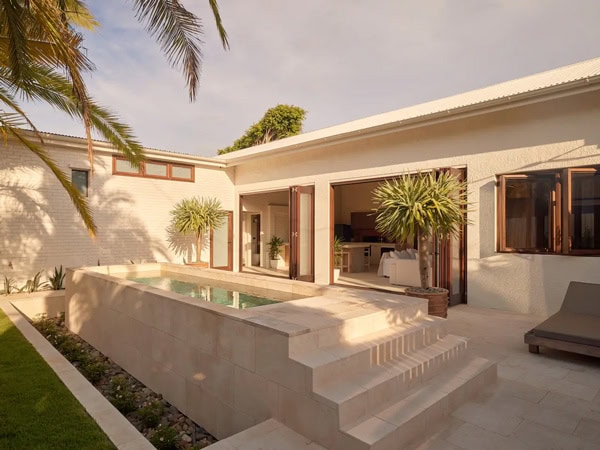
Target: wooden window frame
{"x": 568, "y": 210}
{"x": 142, "y": 170}
{"x": 158, "y": 163}
{"x": 192, "y": 170}
{"x": 560, "y": 216}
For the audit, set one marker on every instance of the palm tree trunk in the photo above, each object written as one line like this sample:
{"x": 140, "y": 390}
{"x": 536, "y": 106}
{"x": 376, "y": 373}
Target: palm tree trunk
{"x": 424, "y": 260}
{"x": 198, "y": 246}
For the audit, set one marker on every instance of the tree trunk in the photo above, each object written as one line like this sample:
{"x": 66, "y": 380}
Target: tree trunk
{"x": 198, "y": 246}
{"x": 424, "y": 260}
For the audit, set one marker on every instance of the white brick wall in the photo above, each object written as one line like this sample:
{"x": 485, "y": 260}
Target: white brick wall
{"x": 40, "y": 229}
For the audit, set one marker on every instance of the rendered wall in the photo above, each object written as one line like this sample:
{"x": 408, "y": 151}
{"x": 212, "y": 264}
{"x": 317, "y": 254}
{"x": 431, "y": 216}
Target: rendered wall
{"x": 222, "y": 371}
{"x": 40, "y": 229}
{"x": 553, "y": 134}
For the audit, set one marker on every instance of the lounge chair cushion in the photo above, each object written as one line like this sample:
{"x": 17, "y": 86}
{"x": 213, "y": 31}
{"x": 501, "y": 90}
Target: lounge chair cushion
{"x": 582, "y": 298}
{"x": 571, "y": 327}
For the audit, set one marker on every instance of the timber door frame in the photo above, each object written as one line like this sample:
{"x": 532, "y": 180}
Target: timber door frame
{"x": 229, "y": 266}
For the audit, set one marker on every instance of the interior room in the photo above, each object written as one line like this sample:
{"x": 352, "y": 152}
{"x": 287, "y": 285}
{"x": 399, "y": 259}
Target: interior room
{"x": 264, "y": 216}
{"x": 362, "y": 245}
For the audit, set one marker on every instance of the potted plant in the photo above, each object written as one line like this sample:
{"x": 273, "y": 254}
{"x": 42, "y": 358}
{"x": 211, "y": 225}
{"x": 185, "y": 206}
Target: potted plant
{"x": 197, "y": 216}
{"x": 337, "y": 258}
{"x": 275, "y": 250}
{"x": 425, "y": 205}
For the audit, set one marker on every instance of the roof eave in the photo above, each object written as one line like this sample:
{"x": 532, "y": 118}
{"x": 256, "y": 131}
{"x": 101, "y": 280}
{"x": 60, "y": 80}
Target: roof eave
{"x": 486, "y": 107}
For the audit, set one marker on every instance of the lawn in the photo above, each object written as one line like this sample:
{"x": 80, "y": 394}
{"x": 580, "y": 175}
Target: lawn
{"x": 37, "y": 411}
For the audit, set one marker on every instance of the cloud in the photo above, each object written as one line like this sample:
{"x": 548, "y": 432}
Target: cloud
{"x": 340, "y": 60}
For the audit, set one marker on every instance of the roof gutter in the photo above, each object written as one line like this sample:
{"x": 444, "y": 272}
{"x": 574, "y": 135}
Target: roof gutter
{"x": 101, "y": 147}
{"x": 522, "y": 99}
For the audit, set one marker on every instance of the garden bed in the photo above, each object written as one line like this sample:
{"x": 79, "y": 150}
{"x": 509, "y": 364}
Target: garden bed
{"x": 160, "y": 422}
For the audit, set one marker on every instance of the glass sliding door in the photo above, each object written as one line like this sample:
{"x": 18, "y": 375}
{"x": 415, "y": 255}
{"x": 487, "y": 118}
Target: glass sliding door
{"x": 221, "y": 245}
{"x": 302, "y": 233}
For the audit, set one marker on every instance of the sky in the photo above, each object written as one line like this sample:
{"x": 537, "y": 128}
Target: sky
{"x": 340, "y": 60}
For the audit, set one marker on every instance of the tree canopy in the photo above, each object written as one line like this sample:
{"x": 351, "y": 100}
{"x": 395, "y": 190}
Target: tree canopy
{"x": 278, "y": 122}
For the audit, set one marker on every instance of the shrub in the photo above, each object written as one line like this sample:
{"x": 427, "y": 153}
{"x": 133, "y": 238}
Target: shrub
{"x": 151, "y": 413}
{"x": 51, "y": 331}
{"x": 93, "y": 369}
{"x": 165, "y": 438}
{"x": 70, "y": 348}
{"x": 121, "y": 396}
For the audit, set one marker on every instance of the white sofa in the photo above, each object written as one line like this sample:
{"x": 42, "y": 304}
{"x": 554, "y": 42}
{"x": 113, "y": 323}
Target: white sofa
{"x": 402, "y": 268}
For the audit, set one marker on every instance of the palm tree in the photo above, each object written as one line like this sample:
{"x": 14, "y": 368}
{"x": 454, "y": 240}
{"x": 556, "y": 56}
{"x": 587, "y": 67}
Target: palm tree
{"x": 197, "y": 216}
{"x": 422, "y": 205}
{"x": 41, "y": 59}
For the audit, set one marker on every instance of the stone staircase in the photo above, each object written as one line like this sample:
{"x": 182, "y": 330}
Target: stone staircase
{"x": 357, "y": 370}
{"x": 381, "y": 376}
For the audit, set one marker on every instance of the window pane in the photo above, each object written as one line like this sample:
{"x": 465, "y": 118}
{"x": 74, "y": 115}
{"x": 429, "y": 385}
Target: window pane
{"x": 79, "y": 178}
{"x": 156, "y": 170}
{"x": 181, "y": 172}
{"x": 123, "y": 166}
{"x": 585, "y": 211}
{"x": 528, "y": 213}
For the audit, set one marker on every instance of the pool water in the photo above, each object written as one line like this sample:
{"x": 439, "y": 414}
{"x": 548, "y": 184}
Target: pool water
{"x": 205, "y": 290}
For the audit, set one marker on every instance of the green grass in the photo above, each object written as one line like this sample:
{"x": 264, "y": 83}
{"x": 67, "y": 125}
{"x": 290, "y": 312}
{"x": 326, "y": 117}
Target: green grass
{"x": 37, "y": 411}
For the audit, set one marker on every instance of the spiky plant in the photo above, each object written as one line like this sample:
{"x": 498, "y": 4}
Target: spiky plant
{"x": 197, "y": 216}
{"x": 424, "y": 205}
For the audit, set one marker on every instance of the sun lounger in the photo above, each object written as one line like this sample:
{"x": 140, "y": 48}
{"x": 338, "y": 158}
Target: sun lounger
{"x": 575, "y": 327}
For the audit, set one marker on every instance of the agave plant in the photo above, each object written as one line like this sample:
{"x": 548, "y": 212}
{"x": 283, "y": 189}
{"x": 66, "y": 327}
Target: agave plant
{"x": 424, "y": 205}
{"x": 197, "y": 216}
{"x": 34, "y": 284}
{"x": 56, "y": 279}
{"x": 10, "y": 285}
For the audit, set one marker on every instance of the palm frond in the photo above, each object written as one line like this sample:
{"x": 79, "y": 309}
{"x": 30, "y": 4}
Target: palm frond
{"x": 217, "y": 15}
{"x": 178, "y": 32}
{"x": 53, "y": 88}
{"x": 9, "y": 127}
{"x": 8, "y": 99}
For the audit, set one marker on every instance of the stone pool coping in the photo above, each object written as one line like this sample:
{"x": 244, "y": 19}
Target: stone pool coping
{"x": 257, "y": 315}
{"x": 118, "y": 429}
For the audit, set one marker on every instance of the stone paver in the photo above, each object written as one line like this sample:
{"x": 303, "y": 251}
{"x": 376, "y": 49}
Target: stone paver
{"x": 545, "y": 401}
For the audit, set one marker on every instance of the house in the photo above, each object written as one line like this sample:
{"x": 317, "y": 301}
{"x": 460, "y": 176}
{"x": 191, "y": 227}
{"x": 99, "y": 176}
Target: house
{"x": 528, "y": 148}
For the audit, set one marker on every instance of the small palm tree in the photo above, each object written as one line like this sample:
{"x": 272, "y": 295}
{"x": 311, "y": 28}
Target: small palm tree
{"x": 197, "y": 216}
{"x": 422, "y": 205}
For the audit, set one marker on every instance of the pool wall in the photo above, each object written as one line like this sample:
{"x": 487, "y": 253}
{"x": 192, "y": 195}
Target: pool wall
{"x": 212, "y": 362}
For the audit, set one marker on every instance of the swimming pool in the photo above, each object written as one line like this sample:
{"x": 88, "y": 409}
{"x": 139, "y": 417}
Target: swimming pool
{"x": 208, "y": 290}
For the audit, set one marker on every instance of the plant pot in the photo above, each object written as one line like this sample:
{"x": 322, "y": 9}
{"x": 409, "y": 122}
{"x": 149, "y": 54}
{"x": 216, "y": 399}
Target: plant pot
{"x": 437, "y": 299}
{"x": 336, "y": 274}
{"x": 198, "y": 264}
{"x": 273, "y": 263}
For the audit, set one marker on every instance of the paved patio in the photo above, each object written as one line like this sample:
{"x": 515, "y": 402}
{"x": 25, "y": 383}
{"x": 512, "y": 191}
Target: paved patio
{"x": 545, "y": 401}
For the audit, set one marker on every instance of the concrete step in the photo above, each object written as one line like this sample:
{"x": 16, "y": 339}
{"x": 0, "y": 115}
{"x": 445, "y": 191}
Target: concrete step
{"x": 359, "y": 394}
{"x": 406, "y": 420}
{"x": 350, "y": 357}
{"x": 267, "y": 435}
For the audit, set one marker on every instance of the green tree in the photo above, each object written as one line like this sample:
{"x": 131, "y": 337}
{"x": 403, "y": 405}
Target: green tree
{"x": 197, "y": 216}
{"x": 422, "y": 205}
{"x": 42, "y": 59}
{"x": 279, "y": 122}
